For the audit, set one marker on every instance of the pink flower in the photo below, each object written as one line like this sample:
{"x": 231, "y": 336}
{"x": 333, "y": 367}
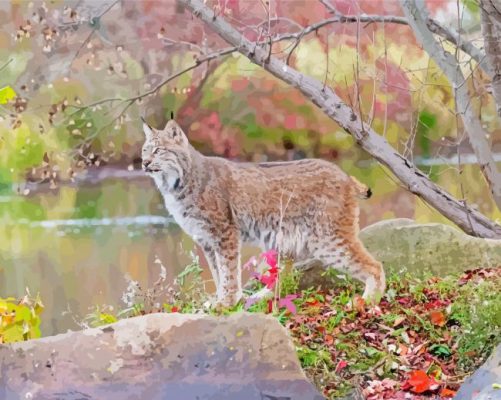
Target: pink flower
{"x": 250, "y": 301}
{"x": 249, "y": 265}
{"x": 271, "y": 257}
{"x": 270, "y": 278}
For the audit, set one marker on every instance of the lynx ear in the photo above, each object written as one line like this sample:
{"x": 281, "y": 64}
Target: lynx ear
{"x": 148, "y": 130}
{"x": 174, "y": 132}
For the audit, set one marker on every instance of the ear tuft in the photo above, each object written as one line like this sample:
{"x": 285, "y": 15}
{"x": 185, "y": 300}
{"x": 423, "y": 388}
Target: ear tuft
{"x": 172, "y": 115}
{"x": 148, "y": 130}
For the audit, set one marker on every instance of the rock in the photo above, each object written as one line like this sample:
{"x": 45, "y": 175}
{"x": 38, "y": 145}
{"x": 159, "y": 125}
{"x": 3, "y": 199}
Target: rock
{"x": 479, "y": 385}
{"x": 402, "y": 244}
{"x": 441, "y": 249}
{"x": 159, "y": 357}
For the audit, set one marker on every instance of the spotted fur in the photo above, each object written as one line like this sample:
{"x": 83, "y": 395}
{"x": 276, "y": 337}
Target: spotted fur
{"x": 307, "y": 209}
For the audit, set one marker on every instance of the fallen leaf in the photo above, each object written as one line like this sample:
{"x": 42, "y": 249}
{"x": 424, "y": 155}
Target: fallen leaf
{"x": 359, "y": 304}
{"x": 288, "y": 304}
{"x": 420, "y": 382}
{"x": 398, "y": 321}
{"x": 328, "y": 340}
{"x": 447, "y": 393}
{"x": 437, "y": 318}
{"x": 342, "y": 364}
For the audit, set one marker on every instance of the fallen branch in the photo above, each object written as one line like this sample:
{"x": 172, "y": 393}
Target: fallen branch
{"x": 325, "y": 98}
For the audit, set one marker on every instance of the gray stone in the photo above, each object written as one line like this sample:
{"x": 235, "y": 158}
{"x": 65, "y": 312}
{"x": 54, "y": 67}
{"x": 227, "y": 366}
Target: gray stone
{"x": 479, "y": 385}
{"x": 159, "y": 357}
{"x": 402, "y": 244}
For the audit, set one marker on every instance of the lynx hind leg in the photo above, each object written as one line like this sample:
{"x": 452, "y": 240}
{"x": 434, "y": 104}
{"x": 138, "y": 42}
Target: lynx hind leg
{"x": 351, "y": 256}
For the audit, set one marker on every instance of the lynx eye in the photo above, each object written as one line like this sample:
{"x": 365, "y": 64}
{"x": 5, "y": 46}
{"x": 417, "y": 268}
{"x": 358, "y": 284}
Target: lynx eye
{"x": 156, "y": 150}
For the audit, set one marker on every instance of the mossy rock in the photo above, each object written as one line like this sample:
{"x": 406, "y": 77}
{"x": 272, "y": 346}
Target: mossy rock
{"x": 402, "y": 244}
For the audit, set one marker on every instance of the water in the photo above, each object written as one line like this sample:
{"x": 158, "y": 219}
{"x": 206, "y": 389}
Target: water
{"x": 76, "y": 246}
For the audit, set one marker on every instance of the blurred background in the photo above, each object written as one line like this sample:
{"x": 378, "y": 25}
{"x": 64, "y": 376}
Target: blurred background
{"x": 78, "y": 215}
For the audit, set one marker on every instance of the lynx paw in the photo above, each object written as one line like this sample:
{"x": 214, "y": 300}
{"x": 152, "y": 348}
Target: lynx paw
{"x": 227, "y": 303}
{"x": 374, "y": 290}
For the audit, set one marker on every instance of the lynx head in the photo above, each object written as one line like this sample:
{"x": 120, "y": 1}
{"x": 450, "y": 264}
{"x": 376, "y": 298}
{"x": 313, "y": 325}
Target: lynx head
{"x": 166, "y": 151}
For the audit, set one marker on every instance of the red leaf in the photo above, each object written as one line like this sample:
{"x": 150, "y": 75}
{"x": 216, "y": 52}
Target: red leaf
{"x": 342, "y": 364}
{"x": 312, "y": 302}
{"x": 290, "y": 122}
{"x": 437, "y": 318}
{"x": 174, "y": 309}
{"x": 447, "y": 393}
{"x": 237, "y": 85}
{"x": 420, "y": 382}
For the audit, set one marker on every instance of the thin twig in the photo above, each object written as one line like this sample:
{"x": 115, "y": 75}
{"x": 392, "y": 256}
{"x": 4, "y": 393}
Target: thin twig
{"x": 94, "y": 21}
{"x": 6, "y": 64}
{"x": 330, "y": 7}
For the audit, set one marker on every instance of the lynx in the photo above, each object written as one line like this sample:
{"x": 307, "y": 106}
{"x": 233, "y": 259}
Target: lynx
{"x": 306, "y": 209}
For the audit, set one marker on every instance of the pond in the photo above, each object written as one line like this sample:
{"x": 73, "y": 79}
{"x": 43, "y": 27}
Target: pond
{"x": 76, "y": 246}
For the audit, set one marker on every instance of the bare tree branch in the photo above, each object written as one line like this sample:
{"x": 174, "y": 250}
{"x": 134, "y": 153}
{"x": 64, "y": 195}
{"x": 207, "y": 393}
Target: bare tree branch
{"x": 199, "y": 61}
{"x": 448, "y": 34}
{"x": 457, "y": 40}
{"x": 61, "y": 59}
{"x": 416, "y": 13}
{"x": 330, "y": 7}
{"x": 326, "y": 99}
{"x": 6, "y": 64}
{"x": 491, "y": 30}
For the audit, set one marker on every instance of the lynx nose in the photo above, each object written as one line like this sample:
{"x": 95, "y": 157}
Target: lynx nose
{"x": 146, "y": 163}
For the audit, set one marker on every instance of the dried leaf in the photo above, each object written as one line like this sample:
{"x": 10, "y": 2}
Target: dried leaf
{"x": 437, "y": 318}
{"x": 447, "y": 393}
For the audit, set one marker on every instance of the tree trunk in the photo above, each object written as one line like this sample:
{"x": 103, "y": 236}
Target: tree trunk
{"x": 491, "y": 31}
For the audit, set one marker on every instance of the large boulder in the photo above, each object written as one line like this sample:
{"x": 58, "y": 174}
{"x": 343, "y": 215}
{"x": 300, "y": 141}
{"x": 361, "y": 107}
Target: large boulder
{"x": 438, "y": 248}
{"x": 485, "y": 383}
{"x": 159, "y": 357}
{"x": 404, "y": 245}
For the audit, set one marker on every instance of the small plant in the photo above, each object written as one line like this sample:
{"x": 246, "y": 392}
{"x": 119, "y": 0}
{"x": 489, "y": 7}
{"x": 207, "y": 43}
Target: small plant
{"x": 99, "y": 317}
{"x": 477, "y": 311}
{"x": 20, "y": 319}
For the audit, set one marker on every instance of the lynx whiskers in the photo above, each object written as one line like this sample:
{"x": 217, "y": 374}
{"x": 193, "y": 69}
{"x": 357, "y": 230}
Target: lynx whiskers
{"x": 222, "y": 204}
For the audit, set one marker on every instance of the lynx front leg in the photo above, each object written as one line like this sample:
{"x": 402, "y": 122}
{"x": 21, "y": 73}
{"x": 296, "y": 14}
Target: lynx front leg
{"x": 227, "y": 254}
{"x": 210, "y": 256}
